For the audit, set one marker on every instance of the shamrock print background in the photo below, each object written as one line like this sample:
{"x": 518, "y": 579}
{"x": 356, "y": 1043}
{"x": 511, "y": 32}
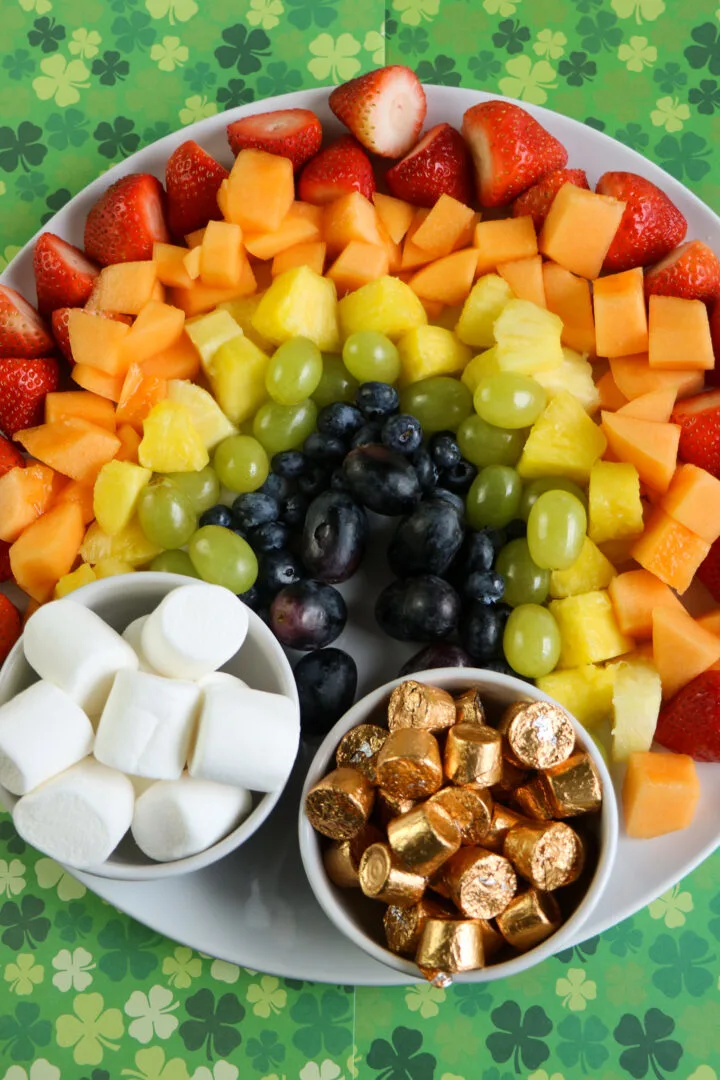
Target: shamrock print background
{"x": 88, "y": 994}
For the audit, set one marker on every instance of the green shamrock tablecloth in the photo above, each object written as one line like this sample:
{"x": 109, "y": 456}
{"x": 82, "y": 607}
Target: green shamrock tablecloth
{"x": 86, "y": 992}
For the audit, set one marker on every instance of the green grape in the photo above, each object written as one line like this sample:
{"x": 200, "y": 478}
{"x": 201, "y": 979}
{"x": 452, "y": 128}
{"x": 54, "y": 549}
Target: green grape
{"x": 166, "y": 515}
{"x": 508, "y": 400}
{"x": 494, "y": 497}
{"x": 336, "y": 382}
{"x": 440, "y": 403}
{"x": 294, "y": 371}
{"x": 531, "y": 641}
{"x": 525, "y": 581}
{"x": 484, "y": 444}
{"x": 241, "y": 463}
{"x": 556, "y": 529}
{"x": 202, "y": 488}
{"x": 284, "y": 427}
{"x": 371, "y": 357}
{"x": 535, "y": 488}
{"x": 222, "y": 557}
{"x": 174, "y": 562}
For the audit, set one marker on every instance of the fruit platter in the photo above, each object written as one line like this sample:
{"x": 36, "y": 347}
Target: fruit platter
{"x": 427, "y": 379}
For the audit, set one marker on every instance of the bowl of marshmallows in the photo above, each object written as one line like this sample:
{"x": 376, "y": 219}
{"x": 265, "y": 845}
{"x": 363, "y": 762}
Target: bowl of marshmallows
{"x": 148, "y": 726}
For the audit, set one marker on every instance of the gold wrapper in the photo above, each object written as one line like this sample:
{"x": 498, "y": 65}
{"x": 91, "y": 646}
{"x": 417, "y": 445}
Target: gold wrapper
{"x": 388, "y": 806}
{"x": 513, "y": 776}
{"x": 415, "y": 705}
{"x": 473, "y": 755}
{"x": 409, "y": 764}
{"x": 533, "y": 800}
{"x": 404, "y": 925}
{"x": 382, "y": 878}
{"x": 547, "y": 855}
{"x": 450, "y": 945}
{"x": 359, "y": 748}
{"x": 342, "y": 857}
{"x": 340, "y": 804}
{"x": 424, "y": 838}
{"x": 493, "y": 940}
{"x": 480, "y": 883}
{"x": 470, "y": 807}
{"x": 539, "y": 734}
{"x": 501, "y": 822}
{"x": 573, "y": 787}
{"x": 529, "y": 919}
{"x": 469, "y": 708}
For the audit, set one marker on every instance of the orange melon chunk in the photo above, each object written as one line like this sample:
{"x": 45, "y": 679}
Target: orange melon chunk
{"x": 98, "y": 342}
{"x": 650, "y": 447}
{"x": 413, "y": 255}
{"x": 195, "y": 238}
{"x": 72, "y": 447}
{"x": 448, "y": 280}
{"x": 443, "y": 227}
{"x": 47, "y": 550}
{"x": 157, "y": 327}
{"x": 635, "y": 595}
{"x": 201, "y": 298}
{"x": 525, "y": 278}
{"x": 82, "y": 494}
{"x": 610, "y": 397}
{"x": 504, "y": 240}
{"x": 621, "y": 326}
{"x": 395, "y": 214}
{"x": 711, "y": 621}
{"x": 24, "y": 495}
{"x": 192, "y": 260}
{"x": 682, "y": 648}
{"x": 130, "y": 440}
{"x": 98, "y": 382}
{"x": 635, "y": 377}
{"x": 311, "y": 254}
{"x": 125, "y": 287}
{"x": 669, "y": 550}
{"x": 357, "y": 264}
{"x": 579, "y": 229}
{"x": 139, "y": 394}
{"x": 98, "y": 410}
{"x": 679, "y": 335}
{"x": 660, "y": 794}
{"x": 657, "y": 405}
{"x": 351, "y": 217}
{"x": 170, "y": 265}
{"x": 394, "y": 251}
{"x": 181, "y": 360}
{"x": 221, "y": 255}
{"x": 259, "y": 191}
{"x": 693, "y": 499}
{"x": 568, "y": 296}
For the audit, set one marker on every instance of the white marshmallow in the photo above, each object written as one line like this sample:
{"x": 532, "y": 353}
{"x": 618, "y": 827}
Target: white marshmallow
{"x": 71, "y": 646}
{"x": 216, "y": 677}
{"x": 147, "y": 724}
{"x": 245, "y": 737}
{"x": 42, "y": 732}
{"x": 177, "y": 818}
{"x": 133, "y": 635}
{"x": 194, "y": 630}
{"x": 78, "y": 817}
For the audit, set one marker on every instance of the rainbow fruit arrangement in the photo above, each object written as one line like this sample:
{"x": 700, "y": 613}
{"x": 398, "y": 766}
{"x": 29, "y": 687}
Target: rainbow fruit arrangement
{"x": 261, "y": 355}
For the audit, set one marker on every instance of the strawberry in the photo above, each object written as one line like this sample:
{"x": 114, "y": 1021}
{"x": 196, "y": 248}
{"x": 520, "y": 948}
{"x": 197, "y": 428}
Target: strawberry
{"x": 699, "y": 420}
{"x": 511, "y": 151}
{"x": 63, "y": 276}
{"x": 651, "y": 225}
{"x": 59, "y": 323}
{"x": 537, "y": 200}
{"x": 23, "y": 386}
{"x": 709, "y": 571}
{"x": 192, "y": 179}
{"x": 438, "y": 165}
{"x": 712, "y": 377}
{"x": 10, "y": 456}
{"x": 339, "y": 169}
{"x": 126, "y": 220}
{"x": 5, "y": 571}
{"x": 384, "y": 109}
{"x": 290, "y": 133}
{"x": 10, "y": 626}
{"x": 692, "y": 272}
{"x": 689, "y": 723}
{"x": 22, "y": 331}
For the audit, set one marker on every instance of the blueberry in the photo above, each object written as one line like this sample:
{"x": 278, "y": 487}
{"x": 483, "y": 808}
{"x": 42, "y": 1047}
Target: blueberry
{"x": 326, "y": 681}
{"x": 447, "y": 498}
{"x": 217, "y": 515}
{"x": 270, "y": 536}
{"x": 276, "y": 486}
{"x": 251, "y": 597}
{"x": 366, "y": 435}
{"x": 459, "y": 477}
{"x": 444, "y": 450}
{"x": 324, "y": 449}
{"x": 377, "y": 400}
{"x": 402, "y": 433}
{"x": 426, "y": 469}
{"x": 338, "y": 481}
{"x": 289, "y": 463}
{"x": 340, "y": 419}
{"x": 481, "y": 631}
{"x": 484, "y": 586}
{"x": 293, "y": 509}
{"x": 314, "y": 481}
{"x": 253, "y": 508}
{"x": 276, "y": 570}
{"x": 421, "y": 608}
{"x": 479, "y": 551}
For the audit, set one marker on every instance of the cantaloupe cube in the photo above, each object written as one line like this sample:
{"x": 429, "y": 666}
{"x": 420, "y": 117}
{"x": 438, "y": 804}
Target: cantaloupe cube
{"x": 351, "y": 217}
{"x": 621, "y": 325}
{"x": 72, "y": 447}
{"x": 201, "y": 298}
{"x": 25, "y": 494}
{"x": 693, "y": 499}
{"x": 649, "y": 446}
{"x": 611, "y": 400}
{"x": 300, "y": 303}
{"x": 357, "y": 264}
{"x": 635, "y": 377}
{"x": 413, "y": 255}
{"x": 47, "y": 549}
{"x": 301, "y": 225}
{"x": 682, "y": 648}
{"x": 395, "y": 214}
{"x": 579, "y": 229}
{"x": 170, "y": 265}
{"x": 430, "y": 350}
{"x": 394, "y": 251}
{"x": 669, "y": 550}
{"x": 448, "y": 280}
{"x": 614, "y": 507}
{"x": 590, "y": 571}
{"x": 563, "y": 441}
{"x": 98, "y": 342}
{"x": 80, "y": 403}
{"x": 98, "y": 382}
{"x": 387, "y": 305}
{"x": 525, "y": 278}
{"x": 679, "y": 333}
{"x": 157, "y": 327}
{"x": 443, "y": 226}
{"x": 68, "y": 583}
{"x": 660, "y": 794}
{"x": 180, "y": 360}
{"x": 195, "y": 238}
{"x": 586, "y": 692}
{"x": 502, "y": 241}
{"x": 221, "y": 255}
{"x": 488, "y": 297}
{"x": 129, "y": 443}
{"x": 568, "y": 296}
{"x": 589, "y": 633}
{"x": 192, "y": 260}
{"x": 260, "y": 191}
{"x": 139, "y": 394}
{"x": 635, "y": 595}
{"x": 710, "y": 621}
{"x": 125, "y": 287}
{"x": 79, "y": 493}
{"x": 311, "y": 254}
{"x": 657, "y": 405}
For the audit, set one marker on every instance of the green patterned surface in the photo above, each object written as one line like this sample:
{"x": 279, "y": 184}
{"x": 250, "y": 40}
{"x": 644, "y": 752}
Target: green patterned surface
{"x": 87, "y": 994}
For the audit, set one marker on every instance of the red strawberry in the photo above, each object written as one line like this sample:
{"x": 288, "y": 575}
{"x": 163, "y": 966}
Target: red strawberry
{"x": 10, "y": 626}
{"x": 126, "y": 220}
{"x": 384, "y": 109}
{"x": 192, "y": 179}
{"x": 339, "y": 169}
{"x": 5, "y": 571}
{"x": 699, "y": 420}
{"x": 709, "y": 571}
{"x": 10, "y": 456}
{"x": 712, "y": 377}
{"x": 651, "y": 225}
{"x": 63, "y": 276}
{"x": 438, "y": 165}
{"x": 290, "y": 133}
{"x": 692, "y": 272}
{"x": 689, "y": 723}
{"x": 22, "y": 331}
{"x": 537, "y": 200}
{"x": 23, "y": 386}
{"x": 59, "y": 323}
{"x": 510, "y": 149}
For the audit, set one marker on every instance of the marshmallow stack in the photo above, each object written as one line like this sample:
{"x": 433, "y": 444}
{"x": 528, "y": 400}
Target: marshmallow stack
{"x": 177, "y": 818}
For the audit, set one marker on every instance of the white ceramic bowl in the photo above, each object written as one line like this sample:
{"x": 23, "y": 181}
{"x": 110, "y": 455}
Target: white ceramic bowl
{"x": 260, "y": 662}
{"x": 359, "y": 917}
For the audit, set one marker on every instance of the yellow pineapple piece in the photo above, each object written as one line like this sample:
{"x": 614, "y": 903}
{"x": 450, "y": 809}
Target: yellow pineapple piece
{"x": 116, "y": 493}
{"x": 68, "y": 583}
{"x": 171, "y": 442}
{"x": 210, "y": 421}
{"x": 237, "y": 378}
{"x": 586, "y": 692}
{"x": 486, "y": 300}
{"x": 637, "y": 697}
{"x": 242, "y": 310}
{"x": 430, "y": 350}
{"x": 563, "y": 441}
{"x": 589, "y": 633}
{"x": 590, "y": 571}
{"x": 209, "y": 332}
{"x": 575, "y": 375}
{"x": 112, "y": 567}
{"x": 528, "y": 338}
{"x": 485, "y": 363}
{"x": 299, "y": 303}
{"x": 614, "y": 507}
{"x": 387, "y": 305}
{"x": 130, "y": 546}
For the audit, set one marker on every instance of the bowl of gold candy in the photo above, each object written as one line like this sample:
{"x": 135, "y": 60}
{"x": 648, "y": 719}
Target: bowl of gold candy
{"x": 458, "y": 826}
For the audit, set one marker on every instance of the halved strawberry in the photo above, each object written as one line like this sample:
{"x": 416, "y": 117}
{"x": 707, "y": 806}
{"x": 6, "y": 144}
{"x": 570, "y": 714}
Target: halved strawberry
{"x": 5, "y": 571}
{"x": 651, "y": 224}
{"x": 511, "y": 151}
{"x": 22, "y": 331}
{"x": 126, "y": 220}
{"x": 63, "y": 275}
{"x": 537, "y": 200}
{"x": 689, "y": 723}
{"x": 339, "y": 169}
{"x": 59, "y": 323}
{"x": 438, "y": 165}
{"x": 691, "y": 271}
{"x": 699, "y": 420}
{"x": 23, "y": 385}
{"x": 192, "y": 179}
{"x": 290, "y": 133}
{"x": 10, "y": 457}
{"x": 384, "y": 109}
{"x": 10, "y": 626}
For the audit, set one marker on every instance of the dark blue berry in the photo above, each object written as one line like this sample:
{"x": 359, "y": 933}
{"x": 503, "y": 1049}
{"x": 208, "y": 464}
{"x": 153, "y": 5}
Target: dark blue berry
{"x": 426, "y": 469}
{"x": 293, "y": 509}
{"x": 481, "y": 631}
{"x": 366, "y": 435}
{"x": 459, "y": 477}
{"x": 444, "y": 450}
{"x": 251, "y": 597}
{"x": 484, "y": 586}
{"x": 253, "y": 508}
{"x": 276, "y": 486}
{"x": 503, "y": 668}
{"x": 324, "y": 449}
{"x": 276, "y": 570}
{"x": 442, "y": 495}
{"x": 315, "y": 481}
{"x": 217, "y": 515}
{"x": 403, "y": 433}
{"x": 338, "y": 481}
{"x": 377, "y": 400}
{"x": 271, "y": 536}
{"x": 340, "y": 419}
{"x": 289, "y": 463}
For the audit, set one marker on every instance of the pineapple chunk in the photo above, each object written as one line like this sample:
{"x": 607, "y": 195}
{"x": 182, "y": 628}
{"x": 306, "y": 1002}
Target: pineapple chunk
{"x": 590, "y": 571}
{"x": 485, "y": 363}
{"x": 237, "y": 378}
{"x": 586, "y": 692}
{"x": 485, "y": 302}
{"x": 211, "y": 422}
{"x": 68, "y": 583}
{"x": 426, "y": 351}
{"x": 589, "y": 633}
{"x": 637, "y": 697}
{"x": 116, "y": 493}
{"x": 112, "y": 567}
{"x": 242, "y": 310}
{"x": 614, "y": 506}
{"x": 528, "y": 338}
{"x": 563, "y": 441}
{"x": 387, "y": 305}
{"x": 209, "y": 332}
{"x": 171, "y": 442}
{"x": 131, "y": 546}
{"x": 299, "y": 303}
{"x": 574, "y": 374}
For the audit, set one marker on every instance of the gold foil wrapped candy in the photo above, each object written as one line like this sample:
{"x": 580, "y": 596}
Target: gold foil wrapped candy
{"x": 469, "y": 708}
{"x": 529, "y": 919}
{"x": 415, "y": 705}
{"x": 470, "y": 807}
{"x": 512, "y": 778}
{"x": 573, "y": 787}
{"x": 383, "y": 878}
{"x": 342, "y": 857}
{"x": 424, "y": 838}
{"x": 450, "y": 945}
{"x": 532, "y": 799}
{"x": 539, "y": 734}
{"x": 409, "y": 764}
{"x": 359, "y": 748}
{"x": 473, "y": 755}
{"x": 339, "y": 805}
{"x": 549, "y": 855}
{"x": 404, "y": 925}
{"x": 388, "y": 806}
{"x": 480, "y": 883}
{"x": 501, "y": 822}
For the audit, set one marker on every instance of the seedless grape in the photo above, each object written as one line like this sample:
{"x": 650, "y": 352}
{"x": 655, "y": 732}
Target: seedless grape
{"x": 534, "y": 488}
{"x": 484, "y": 444}
{"x": 241, "y": 463}
{"x": 222, "y": 557}
{"x": 201, "y": 488}
{"x": 284, "y": 427}
{"x": 371, "y": 357}
{"x": 556, "y": 528}
{"x": 494, "y": 498}
{"x": 440, "y": 403}
{"x": 166, "y": 515}
{"x": 294, "y": 371}
{"x": 174, "y": 562}
{"x": 531, "y": 641}
{"x": 508, "y": 400}
{"x": 525, "y": 581}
